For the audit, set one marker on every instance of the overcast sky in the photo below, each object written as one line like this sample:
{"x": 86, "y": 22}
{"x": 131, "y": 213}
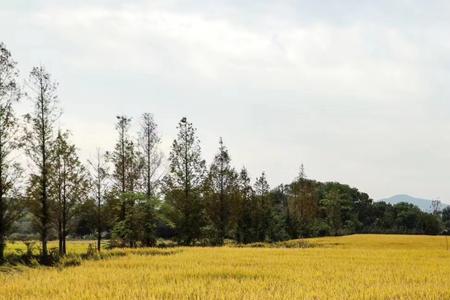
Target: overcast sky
{"x": 356, "y": 90}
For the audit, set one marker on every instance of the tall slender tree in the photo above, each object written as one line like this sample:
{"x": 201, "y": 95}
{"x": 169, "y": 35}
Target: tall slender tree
{"x": 127, "y": 164}
{"x": 149, "y": 141}
{"x": 39, "y": 139}
{"x": 69, "y": 185}
{"x": 127, "y": 170}
{"x": 221, "y": 188}
{"x": 119, "y": 156}
{"x": 244, "y": 229}
{"x": 10, "y": 204}
{"x": 99, "y": 175}
{"x": 302, "y": 205}
{"x": 262, "y": 212}
{"x": 184, "y": 182}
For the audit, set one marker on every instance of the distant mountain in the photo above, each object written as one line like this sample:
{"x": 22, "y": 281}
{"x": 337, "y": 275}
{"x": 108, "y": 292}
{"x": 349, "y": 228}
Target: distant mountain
{"x": 423, "y": 204}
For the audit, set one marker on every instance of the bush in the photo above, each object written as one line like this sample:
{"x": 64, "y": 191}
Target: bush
{"x": 70, "y": 260}
{"x": 320, "y": 228}
{"x": 295, "y": 244}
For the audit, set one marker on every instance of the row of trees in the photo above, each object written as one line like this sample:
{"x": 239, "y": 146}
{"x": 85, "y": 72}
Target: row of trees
{"x": 126, "y": 196}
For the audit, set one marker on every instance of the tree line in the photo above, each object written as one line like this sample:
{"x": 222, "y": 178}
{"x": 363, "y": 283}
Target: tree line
{"x": 126, "y": 196}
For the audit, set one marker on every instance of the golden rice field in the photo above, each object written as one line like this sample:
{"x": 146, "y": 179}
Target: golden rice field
{"x": 77, "y": 247}
{"x": 352, "y": 267}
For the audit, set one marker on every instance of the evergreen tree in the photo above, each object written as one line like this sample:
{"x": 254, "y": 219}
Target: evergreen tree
{"x": 149, "y": 141}
{"x": 446, "y": 218}
{"x": 148, "y": 220}
{"x": 99, "y": 175}
{"x": 125, "y": 231}
{"x": 302, "y": 205}
{"x": 298, "y": 201}
{"x": 39, "y": 141}
{"x": 244, "y": 230}
{"x": 140, "y": 221}
{"x": 332, "y": 205}
{"x": 10, "y": 171}
{"x": 127, "y": 165}
{"x": 262, "y": 212}
{"x": 277, "y": 226}
{"x": 120, "y": 156}
{"x": 220, "y": 190}
{"x": 68, "y": 186}
{"x": 183, "y": 184}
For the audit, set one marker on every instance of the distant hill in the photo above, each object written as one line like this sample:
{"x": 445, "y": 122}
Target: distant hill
{"x": 423, "y": 204}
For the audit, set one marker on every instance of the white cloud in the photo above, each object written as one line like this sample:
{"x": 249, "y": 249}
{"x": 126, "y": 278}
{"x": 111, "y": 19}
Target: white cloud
{"x": 357, "y": 91}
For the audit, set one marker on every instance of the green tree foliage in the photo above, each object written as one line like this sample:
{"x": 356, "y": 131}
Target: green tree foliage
{"x": 139, "y": 225}
{"x": 125, "y": 230}
{"x": 69, "y": 186}
{"x": 99, "y": 175}
{"x": 127, "y": 165}
{"x": 220, "y": 194}
{"x": 39, "y": 144}
{"x": 245, "y": 207}
{"x": 278, "y": 218}
{"x": 152, "y": 157}
{"x": 86, "y": 219}
{"x": 10, "y": 172}
{"x": 183, "y": 185}
{"x": 332, "y": 206}
{"x": 302, "y": 205}
{"x": 262, "y": 210}
{"x": 446, "y": 218}
{"x": 149, "y": 219}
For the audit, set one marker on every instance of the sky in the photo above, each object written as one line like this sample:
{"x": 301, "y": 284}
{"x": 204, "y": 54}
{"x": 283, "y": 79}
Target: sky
{"x": 358, "y": 91}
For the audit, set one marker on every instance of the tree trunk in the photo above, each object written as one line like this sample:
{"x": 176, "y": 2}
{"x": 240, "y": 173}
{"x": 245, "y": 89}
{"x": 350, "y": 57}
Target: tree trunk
{"x": 149, "y": 165}
{"x": 45, "y": 213}
{"x": 60, "y": 239}
{"x": 2, "y": 226}
{"x": 2, "y": 249}
{"x": 222, "y": 205}
{"x": 2, "y": 212}
{"x": 99, "y": 226}
{"x": 186, "y": 186}
{"x": 44, "y": 232}
{"x": 123, "y": 166}
{"x": 99, "y": 241}
{"x": 64, "y": 230}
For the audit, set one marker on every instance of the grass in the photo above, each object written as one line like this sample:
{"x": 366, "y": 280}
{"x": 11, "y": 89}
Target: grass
{"x": 351, "y": 267}
{"x": 75, "y": 247}
{"x": 382, "y": 242}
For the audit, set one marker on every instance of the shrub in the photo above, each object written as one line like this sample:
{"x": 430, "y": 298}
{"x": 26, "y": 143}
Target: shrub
{"x": 70, "y": 260}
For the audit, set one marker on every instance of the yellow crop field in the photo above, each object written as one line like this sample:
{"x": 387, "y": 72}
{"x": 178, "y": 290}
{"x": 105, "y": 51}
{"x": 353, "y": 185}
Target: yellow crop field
{"x": 351, "y": 267}
{"x": 77, "y": 247}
